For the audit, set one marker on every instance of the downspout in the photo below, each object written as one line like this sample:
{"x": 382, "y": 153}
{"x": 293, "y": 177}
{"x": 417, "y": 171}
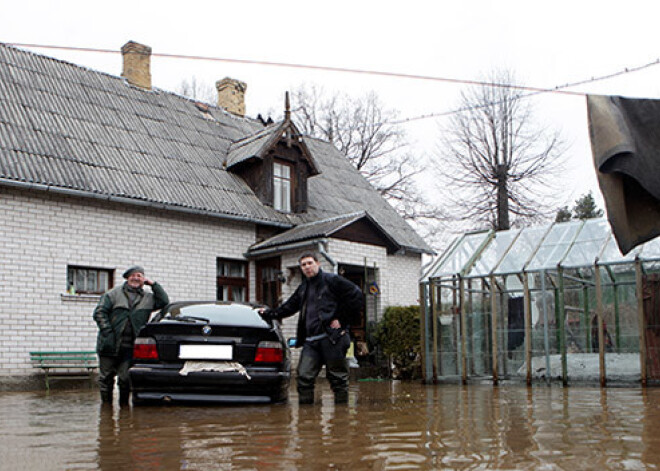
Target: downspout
{"x": 327, "y": 256}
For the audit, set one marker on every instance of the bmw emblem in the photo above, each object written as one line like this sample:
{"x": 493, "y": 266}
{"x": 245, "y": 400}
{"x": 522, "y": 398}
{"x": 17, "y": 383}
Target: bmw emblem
{"x": 206, "y": 330}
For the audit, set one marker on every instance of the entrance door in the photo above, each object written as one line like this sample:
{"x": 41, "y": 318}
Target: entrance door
{"x": 356, "y": 275}
{"x": 268, "y": 283}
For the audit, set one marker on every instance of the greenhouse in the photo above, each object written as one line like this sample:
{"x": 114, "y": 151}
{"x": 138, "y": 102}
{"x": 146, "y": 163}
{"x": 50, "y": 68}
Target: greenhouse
{"x": 552, "y": 302}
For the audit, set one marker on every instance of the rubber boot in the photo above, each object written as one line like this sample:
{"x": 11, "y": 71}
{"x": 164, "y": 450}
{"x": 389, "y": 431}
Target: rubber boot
{"x": 341, "y": 397}
{"x": 106, "y": 396}
{"x": 306, "y": 397}
{"x": 124, "y": 395}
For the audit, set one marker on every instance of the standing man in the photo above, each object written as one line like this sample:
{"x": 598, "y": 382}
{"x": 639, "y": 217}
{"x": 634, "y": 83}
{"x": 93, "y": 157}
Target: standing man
{"x": 120, "y": 314}
{"x": 326, "y": 302}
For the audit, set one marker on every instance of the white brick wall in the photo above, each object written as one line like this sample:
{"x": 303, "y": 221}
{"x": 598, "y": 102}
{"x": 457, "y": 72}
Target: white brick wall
{"x": 42, "y": 234}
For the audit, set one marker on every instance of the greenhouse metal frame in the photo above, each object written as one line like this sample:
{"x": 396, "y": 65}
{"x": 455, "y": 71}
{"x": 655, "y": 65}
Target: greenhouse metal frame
{"x": 551, "y": 302}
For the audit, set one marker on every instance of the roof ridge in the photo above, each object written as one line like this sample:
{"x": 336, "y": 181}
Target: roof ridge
{"x": 253, "y": 137}
{"x": 123, "y": 79}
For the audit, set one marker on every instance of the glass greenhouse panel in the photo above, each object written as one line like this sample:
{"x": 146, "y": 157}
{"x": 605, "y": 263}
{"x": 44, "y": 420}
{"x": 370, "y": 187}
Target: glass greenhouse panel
{"x": 456, "y": 261}
{"x": 611, "y": 253}
{"x": 554, "y": 246}
{"x": 588, "y": 244}
{"x": 514, "y": 261}
{"x": 651, "y": 250}
{"x": 493, "y": 253}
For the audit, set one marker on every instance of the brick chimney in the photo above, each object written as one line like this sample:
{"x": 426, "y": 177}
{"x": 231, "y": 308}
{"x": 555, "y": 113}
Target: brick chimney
{"x": 137, "y": 64}
{"x": 231, "y": 95}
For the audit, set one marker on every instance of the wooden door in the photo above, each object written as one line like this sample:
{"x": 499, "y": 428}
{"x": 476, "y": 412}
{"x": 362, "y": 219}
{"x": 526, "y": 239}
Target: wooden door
{"x": 269, "y": 288}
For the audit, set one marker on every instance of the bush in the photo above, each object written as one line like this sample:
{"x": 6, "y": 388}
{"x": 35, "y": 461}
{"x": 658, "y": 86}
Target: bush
{"x": 398, "y": 336}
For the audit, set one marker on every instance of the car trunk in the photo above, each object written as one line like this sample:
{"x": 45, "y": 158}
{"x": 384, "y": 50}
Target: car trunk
{"x": 169, "y": 339}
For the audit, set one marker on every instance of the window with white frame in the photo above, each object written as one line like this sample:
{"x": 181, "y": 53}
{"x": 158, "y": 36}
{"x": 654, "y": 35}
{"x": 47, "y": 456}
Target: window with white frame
{"x": 88, "y": 280}
{"x": 282, "y": 187}
{"x": 232, "y": 278}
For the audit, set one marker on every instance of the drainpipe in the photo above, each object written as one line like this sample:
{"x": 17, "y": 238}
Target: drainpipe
{"x": 327, "y": 256}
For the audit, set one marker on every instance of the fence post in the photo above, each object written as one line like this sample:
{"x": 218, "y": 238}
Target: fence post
{"x": 639, "y": 287}
{"x": 562, "y": 327}
{"x": 601, "y": 333}
{"x": 434, "y": 330}
{"x": 493, "y": 323}
{"x": 422, "y": 329}
{"x": 528, "y": 328}
{"x": 463, "y": 330}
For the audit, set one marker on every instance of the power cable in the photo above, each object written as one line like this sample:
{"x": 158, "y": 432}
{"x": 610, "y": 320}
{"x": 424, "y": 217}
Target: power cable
{"x": 532, "y": 90}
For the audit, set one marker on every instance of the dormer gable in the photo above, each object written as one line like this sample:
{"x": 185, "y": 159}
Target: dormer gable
{"x": 276, "y": 163}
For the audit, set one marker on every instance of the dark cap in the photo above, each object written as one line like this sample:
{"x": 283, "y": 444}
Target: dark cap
{"x": 134, "y": 269}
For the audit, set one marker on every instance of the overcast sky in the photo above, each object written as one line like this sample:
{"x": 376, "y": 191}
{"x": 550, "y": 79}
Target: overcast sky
{"x": 545, "y": 43}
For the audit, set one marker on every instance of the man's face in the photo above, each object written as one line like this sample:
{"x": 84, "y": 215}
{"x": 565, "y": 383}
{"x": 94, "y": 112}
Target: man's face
{"x": 135, "y": 280}
{"x": 309, "y": 267}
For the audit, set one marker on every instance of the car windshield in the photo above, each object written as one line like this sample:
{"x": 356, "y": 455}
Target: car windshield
{"x": 225, "y": 314}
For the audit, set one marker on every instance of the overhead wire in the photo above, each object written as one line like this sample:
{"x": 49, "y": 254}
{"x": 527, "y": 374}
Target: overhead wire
{"x": 532, "y": 91}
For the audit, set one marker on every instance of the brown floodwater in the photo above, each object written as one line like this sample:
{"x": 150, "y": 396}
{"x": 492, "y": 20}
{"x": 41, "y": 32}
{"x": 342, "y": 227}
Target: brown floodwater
{"x": 386, "y": 425}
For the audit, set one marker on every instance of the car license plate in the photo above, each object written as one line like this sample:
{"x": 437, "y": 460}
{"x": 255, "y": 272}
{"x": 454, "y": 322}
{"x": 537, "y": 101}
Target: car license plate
{"x": 205, "y": 352}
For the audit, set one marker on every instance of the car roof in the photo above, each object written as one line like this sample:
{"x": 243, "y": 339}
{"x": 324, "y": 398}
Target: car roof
{"x": 181, "y": 304}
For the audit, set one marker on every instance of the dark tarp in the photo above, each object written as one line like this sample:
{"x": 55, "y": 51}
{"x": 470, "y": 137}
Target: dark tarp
{"x": 625, "y": 142}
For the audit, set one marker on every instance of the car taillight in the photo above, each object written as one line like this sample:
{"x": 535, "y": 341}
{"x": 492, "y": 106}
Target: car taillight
{"x": 269, "y": 352}
{"x": 145, "y": 349}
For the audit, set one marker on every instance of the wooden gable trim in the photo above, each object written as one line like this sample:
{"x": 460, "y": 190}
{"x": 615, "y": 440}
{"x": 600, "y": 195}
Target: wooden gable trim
{"x": 365, "y": 232}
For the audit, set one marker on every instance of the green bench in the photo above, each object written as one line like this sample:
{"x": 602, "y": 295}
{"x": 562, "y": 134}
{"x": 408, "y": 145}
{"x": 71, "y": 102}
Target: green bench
{"x": 65, "y": 364}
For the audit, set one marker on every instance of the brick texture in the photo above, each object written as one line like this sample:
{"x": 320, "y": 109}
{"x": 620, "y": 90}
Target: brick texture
{"x": 42, "y": 234}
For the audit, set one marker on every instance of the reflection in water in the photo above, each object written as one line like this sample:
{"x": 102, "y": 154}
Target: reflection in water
{"x": 386, "y": 425}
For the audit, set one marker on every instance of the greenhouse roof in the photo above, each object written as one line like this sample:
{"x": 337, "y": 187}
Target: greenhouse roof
{"x": 572, "y": 244}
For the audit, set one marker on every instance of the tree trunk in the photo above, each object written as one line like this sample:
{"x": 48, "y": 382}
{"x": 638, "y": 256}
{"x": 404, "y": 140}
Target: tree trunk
{"x": 502, "y": 198}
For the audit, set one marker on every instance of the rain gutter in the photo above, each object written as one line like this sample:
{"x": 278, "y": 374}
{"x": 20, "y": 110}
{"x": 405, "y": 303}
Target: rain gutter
{"x": 137, "y": 202}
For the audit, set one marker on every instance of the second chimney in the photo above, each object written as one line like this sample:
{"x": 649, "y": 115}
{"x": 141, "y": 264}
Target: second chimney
{"x": 231, "y": 95}
{"x": 137, "y": 64}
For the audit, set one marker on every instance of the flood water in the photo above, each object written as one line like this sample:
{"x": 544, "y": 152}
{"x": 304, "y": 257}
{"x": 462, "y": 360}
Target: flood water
{"x": 386, "y": 425}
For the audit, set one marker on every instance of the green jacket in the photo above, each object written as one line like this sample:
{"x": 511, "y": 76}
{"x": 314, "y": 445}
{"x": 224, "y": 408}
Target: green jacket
{"x": 113, "y": 311}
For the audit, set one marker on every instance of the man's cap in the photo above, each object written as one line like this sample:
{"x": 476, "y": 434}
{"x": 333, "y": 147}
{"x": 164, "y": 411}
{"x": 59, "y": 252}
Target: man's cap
{"x": 133, "y": 269}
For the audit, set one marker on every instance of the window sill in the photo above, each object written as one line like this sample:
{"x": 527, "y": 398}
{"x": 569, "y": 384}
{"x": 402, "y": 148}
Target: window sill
{"x": 80, "y": 298}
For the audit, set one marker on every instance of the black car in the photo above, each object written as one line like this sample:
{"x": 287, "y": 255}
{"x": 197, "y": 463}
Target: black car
{"x": 210, "y": 351}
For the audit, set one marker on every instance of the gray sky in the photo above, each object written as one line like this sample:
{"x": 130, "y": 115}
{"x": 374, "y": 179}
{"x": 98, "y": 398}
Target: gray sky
{"x": 545, "y": 43}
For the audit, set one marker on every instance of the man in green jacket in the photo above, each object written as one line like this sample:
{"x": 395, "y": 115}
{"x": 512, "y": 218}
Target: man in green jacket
{"x": 120, "y": 314}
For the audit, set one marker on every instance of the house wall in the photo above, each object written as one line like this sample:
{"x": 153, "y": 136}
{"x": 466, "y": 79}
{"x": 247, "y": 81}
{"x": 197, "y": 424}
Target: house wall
{"x": 42, "y": 233}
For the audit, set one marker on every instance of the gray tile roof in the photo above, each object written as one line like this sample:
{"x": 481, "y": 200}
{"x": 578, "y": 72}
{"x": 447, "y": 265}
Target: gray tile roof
{"x": 65, "y": 127}
{"x": 340, "y": 190}
{"x": 251, "y": 146}
{"x": 310, "y": 230}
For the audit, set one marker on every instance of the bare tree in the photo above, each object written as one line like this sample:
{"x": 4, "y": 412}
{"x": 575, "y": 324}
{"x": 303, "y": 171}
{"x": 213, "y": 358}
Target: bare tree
{"x": 494, "y": 163}
{"x": 197, "y": 90}
{"x": 361, "y": 128}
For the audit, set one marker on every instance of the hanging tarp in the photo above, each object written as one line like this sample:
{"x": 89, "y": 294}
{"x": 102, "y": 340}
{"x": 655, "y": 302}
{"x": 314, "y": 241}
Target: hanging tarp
{"x": 625, "y": 143}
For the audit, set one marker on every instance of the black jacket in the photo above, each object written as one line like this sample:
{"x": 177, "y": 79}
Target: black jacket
{"x": 338, "y": 298}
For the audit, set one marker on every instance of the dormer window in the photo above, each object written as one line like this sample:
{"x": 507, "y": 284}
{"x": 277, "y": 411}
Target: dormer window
{"x": 276, "y": 168}
{"x": 282, "y": 187}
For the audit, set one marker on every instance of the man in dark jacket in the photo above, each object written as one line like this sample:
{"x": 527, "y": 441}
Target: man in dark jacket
{"x": 120, "y": 314}
{"x": 326, "y": 302}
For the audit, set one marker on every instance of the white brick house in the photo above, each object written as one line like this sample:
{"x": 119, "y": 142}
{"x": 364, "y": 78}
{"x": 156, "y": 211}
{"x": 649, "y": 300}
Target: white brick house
{"x": 98, "y": 173}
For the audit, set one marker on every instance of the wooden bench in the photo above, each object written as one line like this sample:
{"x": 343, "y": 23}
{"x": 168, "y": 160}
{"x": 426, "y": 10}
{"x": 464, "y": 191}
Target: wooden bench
{"x": 66, "y": 364}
